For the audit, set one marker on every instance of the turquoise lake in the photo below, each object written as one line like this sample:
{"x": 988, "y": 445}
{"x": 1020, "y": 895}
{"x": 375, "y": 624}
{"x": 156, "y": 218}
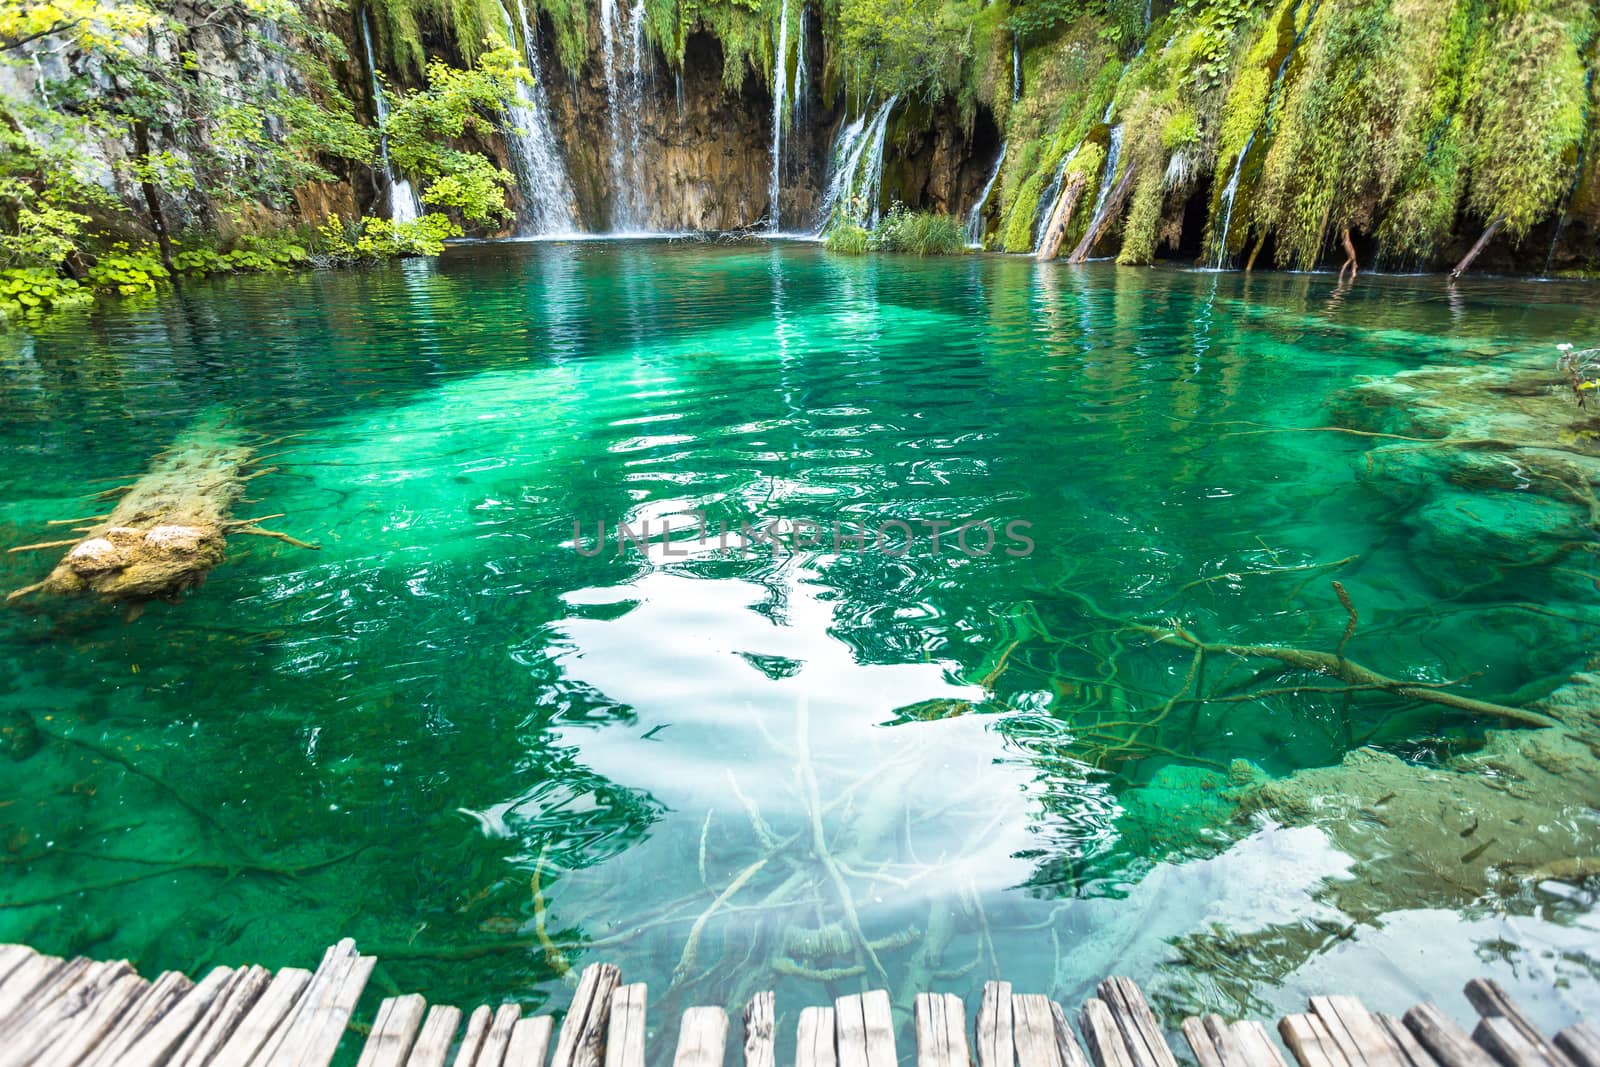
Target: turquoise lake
{"x": 491, "y": 754}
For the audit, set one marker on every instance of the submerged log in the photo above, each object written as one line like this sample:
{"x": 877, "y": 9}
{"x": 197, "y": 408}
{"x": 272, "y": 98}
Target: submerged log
{"x": 168, "y": 530}
{"x": 1056, "y": 230}
{"x": 1108, "y": 214}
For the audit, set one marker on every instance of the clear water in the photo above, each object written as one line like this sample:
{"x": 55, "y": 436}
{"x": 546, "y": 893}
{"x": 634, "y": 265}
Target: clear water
{"x": 389, "y": 738}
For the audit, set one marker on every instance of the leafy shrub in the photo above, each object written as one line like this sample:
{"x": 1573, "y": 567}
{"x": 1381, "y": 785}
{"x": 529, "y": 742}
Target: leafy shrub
{"x": 25, "y": 290}
{"x": 272, "y": 254}
{"x": 371, "y": 240}
{"x": 919, "y": 233}
{"x": 848, "y": 239}
{"x": 127, "y": 270}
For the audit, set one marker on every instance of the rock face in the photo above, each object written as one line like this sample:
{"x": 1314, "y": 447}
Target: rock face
{"x": 704, "y": 153}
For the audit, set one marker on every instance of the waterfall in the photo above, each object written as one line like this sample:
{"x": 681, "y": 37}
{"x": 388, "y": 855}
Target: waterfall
{"x": 1228, "y": 193}
{"x": 1108, "y": 175}
{"x": 1016, "y": 69}
{"x": 1046, "y": 208}
{"x": 975, "y": 216}
{"x": 780, "y": 92}
{"x": 403, "y": 205}
{"x": 797, "y": 109}
{"x": 857, "y": 170}
{"x": 623, "y": 54}
{"x": 548, "y": 201}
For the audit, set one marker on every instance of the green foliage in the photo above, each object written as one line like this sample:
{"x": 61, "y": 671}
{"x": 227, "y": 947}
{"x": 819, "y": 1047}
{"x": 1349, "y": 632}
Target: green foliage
{"x": 918, "y": 233}
{"x": 31, "y": 290}
{"x": 252, "y": 254}
{"x": 905, "y": 46}
{"x": 424, "y": 125}
{"x": 847, "y": 238}
{"x": 128, "y": 270}
{"x": 372, "y": 240}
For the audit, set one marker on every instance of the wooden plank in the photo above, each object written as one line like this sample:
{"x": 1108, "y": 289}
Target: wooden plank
{"x": 1412, "y": 1054}
{"x": 993, "y": 1029}
{"x": 850, "y": 1031}
{"x": 879, "y": 1017}
{"x": 1581, "y": 1043}
{"x": 1232, "y": 1047}
{"x": 310, "y": 1036}
{"x": 1102, "y": 1035}
{"x": 702, "y": 1038}
{"x": 1487, "y": 995}
{"x": 1201, "y": 1043}
{"x": 1311, "y": 1042}
{"x": 438, "y": 1032}
{"x": 229, "y": 1009}
{"x": 99, "y": 1022}
{"x": 530, "y": 1039}
{"x": 1358, "y": 1034}
{"x": 12, "y": 957}
{"x": 472, "y": 1041}
{"x": 262, "y": 1020}
{"x": 626, "y": 1030}
{"x": 583, "y": 1031}
{"x": 60, "y": 978}
{"x": 158, "y": 1042}
{"x": 1034, "y": 1031}
{"x": 760, "y": 1026}
{"x": 1445, "y": 1041}
{"x": 1140, "y": 1032}
{"x": 1255, "y": 1044}
{"x": 498, "y": 1039}
{"x": 54, "y": 1016}
{"x": 814, "y": 1045}
{"x": 24, "y": 980}
{"x": 1066, "y": 1041}
{"x": 941, "y": 1028}
{"x": 1507, "y": 1043}
{"x": 393, "y": 1031}
{"x": 168, "y": 988}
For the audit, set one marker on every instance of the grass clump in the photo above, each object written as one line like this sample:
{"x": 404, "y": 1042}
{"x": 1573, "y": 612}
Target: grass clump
{"x": 848, "y": 239}
{"x": 919, "y": 233}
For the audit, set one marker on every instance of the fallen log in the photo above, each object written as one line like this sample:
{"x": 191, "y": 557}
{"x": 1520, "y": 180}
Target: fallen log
{"x": 1066, "y": 204}
{"x": 168, "y": 530}
{"x": 1482, "y": 243}
{"x": 1109, "y": 213}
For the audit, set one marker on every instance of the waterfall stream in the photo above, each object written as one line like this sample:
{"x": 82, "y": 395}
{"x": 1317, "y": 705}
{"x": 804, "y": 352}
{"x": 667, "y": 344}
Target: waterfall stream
{"x": 1108, "y": 175}
{"x": 1047, "y": 203}
{"x": 856, "y": 172}
{"x": 780, "y": 93}
{"x": 975, "y": 216}
{"x": 403, "y": 205}
{"x": 623, "y": 52}
{"x": 548, "y": 202}
{"x": 1220, "y": 253}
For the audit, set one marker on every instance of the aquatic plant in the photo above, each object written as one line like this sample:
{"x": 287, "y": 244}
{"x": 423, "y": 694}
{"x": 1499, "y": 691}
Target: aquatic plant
{"x": 920, "y": 233}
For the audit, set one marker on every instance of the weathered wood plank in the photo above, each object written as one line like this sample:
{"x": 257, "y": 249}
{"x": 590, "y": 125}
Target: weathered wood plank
{"x": 438, "y": 1032}
{"x": 850, "y": 1031}
{"x": 1357, "y": 1033}
{"x": 626, "y": 1030}
{"x": 264, "y": 1017}
{"x": 1102, "y": 1035}
{"x": 498, "y": 1039}
{"x": 702, "y": 1038}
{"x": 61, "y": 977}
{"x": 760, "y": 1031}
{"x": 12, "y": 957}
{"x": 878, "y": 1015}
{"x": 1445, "y": 1041}
{"x": 1311, "y": 1042}
{"x": 1034, "y": 1031}
{"x": 1412, "y": 1053}
{"x": 312, "y": 1037}
{"x": 1254, "y": 1044}
{"x": 814, "y": 1045}
{"x": 1487, "y": 995}
{"x": 472, "y": 1041}
{"x": 168, "y": 988}
{"x": 157, "y": 1043}
{"x": 30, "y": 975}
{"x": 295, "y": 1034}
{"x": 530, "y": 1040}
{"x": 1066, "y": 1041}
{"x": 99, "y": 1022}
{"x": 993, "y": 1029}
{"x": 1140, "y": 1032}
{"x": 1581, "y": 1043}
{"x": 941, "y": 1028}
{"x": 1233, "y": 1047}
{"x": 1507, "y": 1043}
{"x": 1202, "y": 1044}
{"x": 394, "y": 1030}
{"x": 227, "y": 1012}
{"x": 583, "y": 1031}
{"x": 55, "y": 1017}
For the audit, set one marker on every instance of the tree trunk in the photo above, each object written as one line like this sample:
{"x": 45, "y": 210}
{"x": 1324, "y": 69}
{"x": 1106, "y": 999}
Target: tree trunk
{"x": 1250, "y": 264}
{"x": 1350, "y": 263}
{"x": 1113, "y": 209}
{"x": 1475, "y": 250}
{"x": 1066, "y": 204}
{"x": 152, "y": 196}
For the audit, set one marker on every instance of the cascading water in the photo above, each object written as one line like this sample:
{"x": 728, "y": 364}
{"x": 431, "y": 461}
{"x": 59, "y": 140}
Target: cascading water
{"x": 1016, "y": 69}
{"x": 797, "y": 109}
{"x": 548, "y": 201}
{"x": 975, "y": 216}
{"x": 403, "y": 205}
{"x": 1047, "y": 203}
{"x": 623, "y": 53}
{"x": 1108, "y": 175}
{"x": 780, "y": 93}
{"x": 1220, "y": 252}
{"x": 857, "y": 171}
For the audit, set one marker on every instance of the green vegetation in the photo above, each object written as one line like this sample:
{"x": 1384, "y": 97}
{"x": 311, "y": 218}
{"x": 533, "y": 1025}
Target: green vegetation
{"x": 916, "y": 233}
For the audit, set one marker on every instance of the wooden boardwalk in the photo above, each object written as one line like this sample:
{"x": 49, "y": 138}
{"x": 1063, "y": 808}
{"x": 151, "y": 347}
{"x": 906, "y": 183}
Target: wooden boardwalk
{"x": 57, "y": 1013}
